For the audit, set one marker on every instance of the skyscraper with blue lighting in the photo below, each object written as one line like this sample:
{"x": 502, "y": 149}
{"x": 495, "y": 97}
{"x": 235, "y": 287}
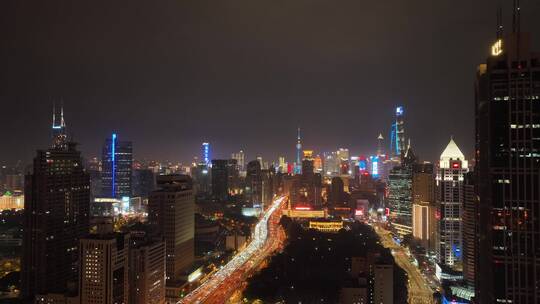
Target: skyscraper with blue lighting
{"x": 397, "y": 135}
{"x": 117, "y": 162}
{"x": 205, "y": 157}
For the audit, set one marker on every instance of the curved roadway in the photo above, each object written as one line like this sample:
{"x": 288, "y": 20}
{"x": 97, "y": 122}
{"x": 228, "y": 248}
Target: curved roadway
{"x": 219, "y": 287}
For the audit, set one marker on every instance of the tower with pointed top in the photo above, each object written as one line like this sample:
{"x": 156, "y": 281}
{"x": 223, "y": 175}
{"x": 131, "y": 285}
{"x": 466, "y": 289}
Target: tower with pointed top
{"x": 397, "y": 135}
{"x": 57, "y": 203}
{"x": 298, "y": 165}
{"x": 380, "y": 139}
{"x": 449, "y": 184}
{"x": 59, "y": 136}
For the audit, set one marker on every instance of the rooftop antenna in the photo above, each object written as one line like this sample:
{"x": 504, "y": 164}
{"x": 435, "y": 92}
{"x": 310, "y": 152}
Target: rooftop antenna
{"x": 53, "y": 114}
{"x": 516, "y": 17}
{"x": 500, "y": 27}
{"x": 62, "y": 122}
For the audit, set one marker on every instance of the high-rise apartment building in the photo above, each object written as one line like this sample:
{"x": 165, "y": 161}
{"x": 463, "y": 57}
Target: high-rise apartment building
{"x": 508, "y": 171}
{"x": 172, "y": 208}
{"x": 450, "y": 174}
{"x": 117, "y": 164}
{"x": 57, "y": 202}
{"x": 104, "y": 261}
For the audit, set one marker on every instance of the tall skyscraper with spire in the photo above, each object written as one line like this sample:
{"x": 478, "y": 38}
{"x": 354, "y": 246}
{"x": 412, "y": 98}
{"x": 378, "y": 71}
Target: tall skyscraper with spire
{"x": 58, "y": 128}
{"x": 298, "y": 165}
{"x": 397, "y": 135}
{"x": 57, "y": 201}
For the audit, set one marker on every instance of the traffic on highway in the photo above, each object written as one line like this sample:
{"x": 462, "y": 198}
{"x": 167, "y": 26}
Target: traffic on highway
{"x": 218, "y": 288}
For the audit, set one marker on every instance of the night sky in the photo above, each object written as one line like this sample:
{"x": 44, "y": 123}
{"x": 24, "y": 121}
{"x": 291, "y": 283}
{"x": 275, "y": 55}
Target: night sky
{"x": 243, "y": 74}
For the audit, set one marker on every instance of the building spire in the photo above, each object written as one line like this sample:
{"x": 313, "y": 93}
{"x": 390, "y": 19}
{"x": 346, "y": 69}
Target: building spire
{"x": 516, "y": 17}
{"x": 500, "y": 28}
{"x": 59, "y": 136}
{"x": 380, "y": 138}
{"x": 62, "y": 122}
{"x": 53, "y": 115}
{"x": 298, "y": 168}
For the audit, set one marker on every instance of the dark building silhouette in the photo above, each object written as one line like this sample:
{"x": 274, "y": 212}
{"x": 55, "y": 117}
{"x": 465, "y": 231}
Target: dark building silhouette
{"x": 337, "y": 194}
{"x": 508, "y": 172}
{"x": 144, "y": 182}
{"x": 57, "y": 202}
{"x": 117, "y": 163}
{"x": 201, "y": 180}
{"x": 253, "y": 190}
{"x": 220, "y": 179}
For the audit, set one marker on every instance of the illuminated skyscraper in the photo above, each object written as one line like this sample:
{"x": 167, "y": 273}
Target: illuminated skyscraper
{"x": 330, "y": 164}
{"x": 205, "y": 156}
{"x": 117, "y": 164}
{"x": 424, "y": 207}
{"x": 397, "y": 135}
{"x": 380, "y": 139}
{"x": 58, "y": 128}
{"x": 400, "y": 194}
{"x": 298, "y": 167}
{"x": 508, "y": 171}
{"x": 452, "y": 168}
{"x": 57, "y": 203}
{"x": 240, "y": 160}
{"x": 282, "y": 165}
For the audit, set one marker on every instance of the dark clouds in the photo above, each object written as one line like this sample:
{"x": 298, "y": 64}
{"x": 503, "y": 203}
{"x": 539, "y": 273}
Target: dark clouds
{"x": 243, "y": 74}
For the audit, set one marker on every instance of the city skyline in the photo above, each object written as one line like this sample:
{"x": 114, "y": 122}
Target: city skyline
{"x": 273, "y": 93}
{"x": 270, "y": 152}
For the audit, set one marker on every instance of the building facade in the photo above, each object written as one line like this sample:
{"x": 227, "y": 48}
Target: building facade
{"x": 424, "y": 208}
{"x": 508, "y": 172}
{"x": 57, "y": 202}
{"x": 117, "y": 164}
{"x": 450, "y": 174}
{"x": 104, "y": 261}
{"x": 172, "y": 209}
{"x": 146, "y": 270}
